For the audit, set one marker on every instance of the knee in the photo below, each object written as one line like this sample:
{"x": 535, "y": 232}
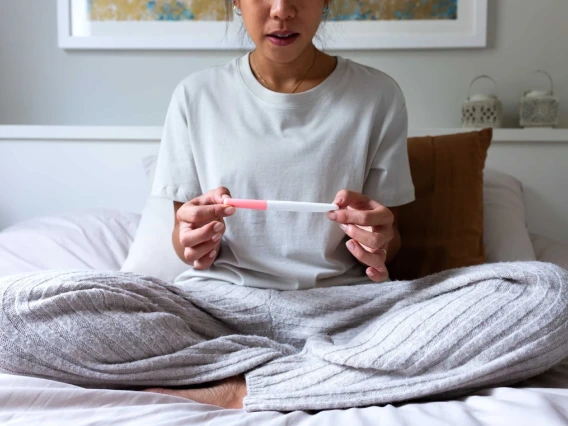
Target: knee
{"x": 550, "y": 282}
{"x": 546, "y": 274}
{"x": 66, "y": 291}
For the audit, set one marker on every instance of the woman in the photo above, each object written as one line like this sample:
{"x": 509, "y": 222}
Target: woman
{"x": 250, "y": 126}
{"x": 288, "y": 122}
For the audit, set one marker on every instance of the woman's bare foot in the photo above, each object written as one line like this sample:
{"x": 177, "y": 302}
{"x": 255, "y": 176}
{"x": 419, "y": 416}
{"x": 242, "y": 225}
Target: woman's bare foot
{"x": 228, "y": 393}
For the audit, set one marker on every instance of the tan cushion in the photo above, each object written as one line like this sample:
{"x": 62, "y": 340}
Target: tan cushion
{"x": 443, "y": 227}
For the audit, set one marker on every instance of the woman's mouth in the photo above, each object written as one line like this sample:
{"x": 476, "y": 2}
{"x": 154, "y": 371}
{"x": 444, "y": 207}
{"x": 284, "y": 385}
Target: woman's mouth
{"x": 283, "y": 38}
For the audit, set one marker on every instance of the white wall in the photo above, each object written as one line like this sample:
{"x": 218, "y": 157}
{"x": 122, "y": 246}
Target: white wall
{"x": 40, "y": 178}
{"x": 41, "y": 84}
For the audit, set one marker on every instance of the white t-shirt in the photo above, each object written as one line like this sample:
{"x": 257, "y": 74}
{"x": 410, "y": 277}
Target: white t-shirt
{"x": 223, "y": 128}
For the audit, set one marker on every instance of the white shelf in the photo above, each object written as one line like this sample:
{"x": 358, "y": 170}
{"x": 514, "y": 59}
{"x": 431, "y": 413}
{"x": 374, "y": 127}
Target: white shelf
{"x": 154, "y": 133}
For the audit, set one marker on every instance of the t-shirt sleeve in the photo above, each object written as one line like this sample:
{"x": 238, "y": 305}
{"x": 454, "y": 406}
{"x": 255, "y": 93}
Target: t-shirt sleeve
{"x": 389, "y": 181}
{"x": 176, "y": 175}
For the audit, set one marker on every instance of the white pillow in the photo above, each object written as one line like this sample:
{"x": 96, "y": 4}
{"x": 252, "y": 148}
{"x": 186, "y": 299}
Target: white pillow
{"x": 505, "y": 234}
{"x": 548, "y": 250}
{"x": 86, "y": 239}
{"x": 506, "y": 237}
{"x": 152, "y": 252}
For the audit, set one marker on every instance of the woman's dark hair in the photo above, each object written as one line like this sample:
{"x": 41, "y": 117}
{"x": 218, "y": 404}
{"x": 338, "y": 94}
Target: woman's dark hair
{"x": 228, "y": 9}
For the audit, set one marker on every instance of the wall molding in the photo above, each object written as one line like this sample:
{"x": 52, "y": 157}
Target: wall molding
{"x": 153, "y": 133}
{"x": 77, "y": 133}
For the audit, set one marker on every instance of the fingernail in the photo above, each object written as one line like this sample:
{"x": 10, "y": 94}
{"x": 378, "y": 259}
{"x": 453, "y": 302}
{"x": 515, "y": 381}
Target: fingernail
{"x": 218, "y": 227}
{"x": 225, "y": 196}
{"x": 230, "y": 210}
{"x": 351, "y": 245}
{"x": 212, "y": 254}
{"x": 338, "y": 201}
{"x": 371, "y": 273}
{"x": 343, "y": 226}
{"x": 332, "y": 216}
{"x": 216, "y": 237}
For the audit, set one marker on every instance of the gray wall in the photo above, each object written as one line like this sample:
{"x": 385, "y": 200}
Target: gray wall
{"x": 41, "y": 84}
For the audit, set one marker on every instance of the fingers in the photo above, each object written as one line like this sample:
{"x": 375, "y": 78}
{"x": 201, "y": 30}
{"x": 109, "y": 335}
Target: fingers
{"x": 205, "y": 208}
{"x": 377, "y": 270}
{"x": 359, "y": 209}
{"x": 377, "y": 217}
{"x": 192, "y": 237}
{"x": 201, "y": 226}
{"x": 202, "y": 255}
{"x": 215, "y": 196}
{"x": 371, "y": 239}
{"x": 354, "y": 199}
{"x": 369, "y": 224}
{"x": 375, "y": 260}
{"x": 377, "y": 275}
{"x": 202, "y": 244}
{"x": 203, "y": 213}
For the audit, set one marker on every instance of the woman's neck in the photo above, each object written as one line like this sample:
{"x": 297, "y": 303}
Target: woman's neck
{"x": 300, "y": 75}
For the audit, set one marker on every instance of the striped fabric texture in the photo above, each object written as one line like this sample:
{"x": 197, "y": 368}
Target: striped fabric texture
{"x": 441, "y": 336}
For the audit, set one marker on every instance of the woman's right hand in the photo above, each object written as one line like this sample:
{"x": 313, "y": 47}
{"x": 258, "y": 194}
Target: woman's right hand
{"x": 201, "y": 227}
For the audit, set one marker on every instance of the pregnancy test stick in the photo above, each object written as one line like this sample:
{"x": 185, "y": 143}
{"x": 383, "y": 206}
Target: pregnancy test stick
{"x": 283, "y": 206}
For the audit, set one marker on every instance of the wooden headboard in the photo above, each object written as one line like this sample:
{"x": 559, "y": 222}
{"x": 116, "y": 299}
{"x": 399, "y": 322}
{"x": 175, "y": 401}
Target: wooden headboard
{"x": 48, "y": 169}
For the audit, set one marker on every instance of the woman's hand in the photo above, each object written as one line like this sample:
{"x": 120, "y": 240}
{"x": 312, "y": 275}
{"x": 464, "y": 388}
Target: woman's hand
{"x": 370, "y": 225}
{"x": 201, "y": 227}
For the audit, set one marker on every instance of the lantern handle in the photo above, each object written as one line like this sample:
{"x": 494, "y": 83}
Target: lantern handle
{"x": 479, "y": 77}
{"x": 549, "y": 79}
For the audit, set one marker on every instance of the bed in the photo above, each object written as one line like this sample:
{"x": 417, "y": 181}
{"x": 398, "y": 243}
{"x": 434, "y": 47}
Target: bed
{"x": 523, "y": 221}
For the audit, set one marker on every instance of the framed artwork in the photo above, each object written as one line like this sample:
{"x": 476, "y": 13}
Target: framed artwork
{"x": 203, "y": 24}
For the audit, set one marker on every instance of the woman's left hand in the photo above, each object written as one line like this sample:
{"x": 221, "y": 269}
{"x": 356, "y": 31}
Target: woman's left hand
{"x": 370, "y": 225}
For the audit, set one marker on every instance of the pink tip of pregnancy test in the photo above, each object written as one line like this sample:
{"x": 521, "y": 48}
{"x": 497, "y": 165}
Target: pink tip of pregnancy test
{"x": 246, "y": 204}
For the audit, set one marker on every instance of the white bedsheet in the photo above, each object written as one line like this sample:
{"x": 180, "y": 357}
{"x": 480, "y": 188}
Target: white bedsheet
{"x": 94, "y": 238}
{"x": 24, "y": 401}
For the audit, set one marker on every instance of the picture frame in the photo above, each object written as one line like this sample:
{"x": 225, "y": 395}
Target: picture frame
{"x": 76, "y": 31}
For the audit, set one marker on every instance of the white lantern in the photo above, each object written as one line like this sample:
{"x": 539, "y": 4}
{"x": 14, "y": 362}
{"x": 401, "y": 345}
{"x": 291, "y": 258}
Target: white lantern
{"x": 481, "y": 110}
{"x": 539, "y": 108}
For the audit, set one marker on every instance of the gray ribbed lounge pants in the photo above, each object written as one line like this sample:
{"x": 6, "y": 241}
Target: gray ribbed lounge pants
{"x": 444, "y": 335}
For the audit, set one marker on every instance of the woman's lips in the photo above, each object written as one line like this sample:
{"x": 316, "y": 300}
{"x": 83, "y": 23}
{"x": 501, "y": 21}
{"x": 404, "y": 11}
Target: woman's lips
{"x": 283, "y": 41}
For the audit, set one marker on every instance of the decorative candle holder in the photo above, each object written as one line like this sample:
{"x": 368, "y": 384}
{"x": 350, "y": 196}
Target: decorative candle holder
{"x": 481, "y": 110}
{"x": 539, "y": 108}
